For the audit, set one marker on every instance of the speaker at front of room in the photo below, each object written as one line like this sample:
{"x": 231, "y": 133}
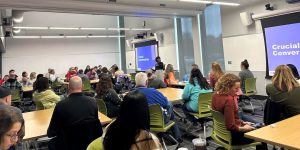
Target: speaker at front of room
{"x": 246, "y": 18}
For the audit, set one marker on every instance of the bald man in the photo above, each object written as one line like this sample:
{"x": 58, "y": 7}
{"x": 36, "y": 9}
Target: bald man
{"x": 69, "y": 117}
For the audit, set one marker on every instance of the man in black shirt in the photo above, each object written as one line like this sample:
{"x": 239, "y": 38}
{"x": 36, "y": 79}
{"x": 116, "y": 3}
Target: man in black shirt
{"x": 74, "y": 122}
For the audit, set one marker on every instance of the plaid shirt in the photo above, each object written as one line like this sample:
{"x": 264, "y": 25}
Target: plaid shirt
{"x": 12, "y": 84}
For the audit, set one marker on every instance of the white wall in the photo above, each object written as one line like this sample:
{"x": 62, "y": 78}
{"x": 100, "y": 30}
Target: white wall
{"x": 40, "y": 54}
{"x": 167, "y": 49}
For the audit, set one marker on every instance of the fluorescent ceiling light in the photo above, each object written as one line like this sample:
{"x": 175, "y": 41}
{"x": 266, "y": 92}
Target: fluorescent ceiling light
{"x": 226, "y": 3}
{"x": 76, "y": 36}
{"x": 52, "y": 37}
{"x": 16, "y": 31}
{"x": 26, "y": 37}
{"x": 115, "y": 36}
{"x": 63, "y": 28}
{"x": 92, "y": 28}
{"x": 140, "y": 29}
{"x": 197, "y": 1}
{"x": 97, "y": 36}
{"x": 32, "y": 28}
{"x": 118, "y": 29}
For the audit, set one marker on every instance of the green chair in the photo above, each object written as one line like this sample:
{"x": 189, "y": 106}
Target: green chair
{"x": 222, "y": 136}
{"x": 96, "y": 144}
{"x": 204, "y": 113}
{"x": 87, "y": 88}
{"x": 250, "y": 86}
{"x": 101, "y": 106}
{"x": 132, "y": 75}
{"x": 16, "y": 96}
{"x": 157, "y": 123}
{"x": 39, "y": 105}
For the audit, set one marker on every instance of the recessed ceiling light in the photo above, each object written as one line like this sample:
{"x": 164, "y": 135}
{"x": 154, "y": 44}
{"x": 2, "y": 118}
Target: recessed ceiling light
{"x": 26, "y": 37}
{"x": 92, "y": 28}
{"x": 63, "y": 28}
{"x": 32, "y": 28}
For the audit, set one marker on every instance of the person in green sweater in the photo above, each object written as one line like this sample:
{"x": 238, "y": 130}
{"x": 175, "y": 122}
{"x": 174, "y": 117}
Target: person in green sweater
{"x": 44, "y": 94}
{"x": 285, "y": 90}
{"x": 197, "y": 84}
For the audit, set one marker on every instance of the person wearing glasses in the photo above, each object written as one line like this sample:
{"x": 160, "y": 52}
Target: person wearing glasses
{"x": 11, "y": 129}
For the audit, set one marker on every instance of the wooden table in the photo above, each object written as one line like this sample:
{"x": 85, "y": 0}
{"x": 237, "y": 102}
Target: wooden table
{"x": 178, "y": 85}
{"x": 91, "y": 81}
{"x": 37, "y": 122}
{"x": 172, "y": 94}
{"x": 27, "y": 88}
{"x": 286, "y": 133}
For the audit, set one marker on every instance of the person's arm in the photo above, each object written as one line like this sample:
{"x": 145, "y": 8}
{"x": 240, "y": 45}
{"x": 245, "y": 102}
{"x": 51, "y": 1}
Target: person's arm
{"x": 114, "y": 98}
{"x": 163, "y": 100}
{"x": 186, "y": 92}
{"x": 211, "y": 80}
{"x": 172, "y": 78}
{"x": 54, "y": 125}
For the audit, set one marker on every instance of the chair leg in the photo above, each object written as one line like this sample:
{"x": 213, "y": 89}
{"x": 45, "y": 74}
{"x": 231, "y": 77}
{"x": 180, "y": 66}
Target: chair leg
{"x": 164, "y": 144}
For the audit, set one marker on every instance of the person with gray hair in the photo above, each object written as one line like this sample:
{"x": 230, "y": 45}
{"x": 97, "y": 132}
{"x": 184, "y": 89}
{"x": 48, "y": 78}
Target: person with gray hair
{"x": 155, "y": 97}
{"x": 153, "y": 81}
{"x": 74, "y": 110}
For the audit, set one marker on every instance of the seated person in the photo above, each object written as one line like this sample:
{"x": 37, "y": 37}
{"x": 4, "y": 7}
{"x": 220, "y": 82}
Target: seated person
{"x": 285, "y": 90}
{"x": 52, "y": 76}
{"x": 5, "y": 78}
{"x": 92, "y": 75}
{"x": 196, "y": 85}
{"x": 155, "y": 97}
{"x": 11, "y": 128}
{"x": 130, "y": 130}
{"x": 294, "y": 71}
{"x": 154, "y": 82}
{"x": 25, "y": 79}
{"x": 224, "y": 102}
{"x": 12, "y": 82}
{"x": 215, "y": 74}
{"x": 170, "y": 75}
{"x": 71, "y": 73}
{"x": 42, "y": 93}
{"x": 106, "y": 92}
{"x": 32, "y": 78}
{"x": 74, "y": 112}
{"x": 245, "y": 73}
{"x": 82, "y": 75}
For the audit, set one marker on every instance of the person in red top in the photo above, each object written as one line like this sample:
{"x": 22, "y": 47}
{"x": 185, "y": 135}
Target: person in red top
{"x": 4, "y": 79}
{"x": 223, "y": 100}
{"x": 71, "y": 73}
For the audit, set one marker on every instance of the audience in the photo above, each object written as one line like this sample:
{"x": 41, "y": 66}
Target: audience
{"x": 47, "y": 75}
{"x": 11, "y": 128}
{"x": 285, "y": 90}
{"x": 82, "y": 75}
{"x": 130, "y": 131}
{"x": 104, "y": 71}
{"x": 25, "y": 79}
{"x": 5, "y": 78}
{"x": 32, "y": 78}
{"x": 75, "y": 111}
{"x": 215, "y": 74}
{"x": 154, "y": 82}
{"x": 52, "y": 76}
{"x": 170, "y": 75}
{"x": 223, "y": 101}
{"x": 99, "y": 70}
{"x": 37, "y": 77}
{"x": 87, "y": 69}
{"x": 155, "y": 97}
{"x": 106, "y": 92}
{"x": 12, "y": 82}
{"x": 196, "y": 85}
{"x": 295, "y": 72}
{"x": 114, "y": 68}
{"x": 45, "y": 95}
{"x": 71, "y": 73}
{"x": 92, "y": 75}
{"x": 245, "y": 73}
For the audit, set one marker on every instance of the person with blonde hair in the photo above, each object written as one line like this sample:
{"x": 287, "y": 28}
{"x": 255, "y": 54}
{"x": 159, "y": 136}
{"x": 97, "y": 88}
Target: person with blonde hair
{"x": 32, "y": 78}
{"x": 223, "y": 101}
{"x": 215, "y": 74}
{"x": 170, "y": 75}
{"x": 285, "y": 90}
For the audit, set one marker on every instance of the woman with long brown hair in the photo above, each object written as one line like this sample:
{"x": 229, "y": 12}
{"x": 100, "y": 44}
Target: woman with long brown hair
{"x": 106, "y": 92}
{"x": 215, "y": 74}
{"x": 170, "y": 75}
{"x": 285, "y": 90}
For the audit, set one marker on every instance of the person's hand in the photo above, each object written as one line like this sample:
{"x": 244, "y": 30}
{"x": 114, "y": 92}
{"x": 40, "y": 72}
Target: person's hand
{"x": 248, "y": 127}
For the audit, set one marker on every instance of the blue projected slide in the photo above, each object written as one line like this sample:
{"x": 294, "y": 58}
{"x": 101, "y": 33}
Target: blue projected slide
{"x": 145, "y": 57}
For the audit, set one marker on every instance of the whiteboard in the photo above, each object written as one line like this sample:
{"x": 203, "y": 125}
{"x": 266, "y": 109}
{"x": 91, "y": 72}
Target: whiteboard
{"x": 250, "y": 47}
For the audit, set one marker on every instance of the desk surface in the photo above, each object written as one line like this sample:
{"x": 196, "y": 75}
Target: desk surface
{"x": 27, "y": 88}
{"x": 37, "y": 122}
{"x": 286, "y": 133}
{"x": 173, "y": 94}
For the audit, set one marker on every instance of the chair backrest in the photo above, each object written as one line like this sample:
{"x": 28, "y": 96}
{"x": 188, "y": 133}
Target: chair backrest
{"x": 96, "y": 144}
{"x": 79, "y": 135}
{"x": 219, "y": 128}
{"x": 86, "y": 85}
{"x": 204, "y": 101}
{"x": 56, "y": 84}
{"x": 39, "y": 105}
{"x": 250, "y": 86}
{"x": 156, "y": 116}
{"x": 15, "y": 95}
{"x": 101, "y": 106}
